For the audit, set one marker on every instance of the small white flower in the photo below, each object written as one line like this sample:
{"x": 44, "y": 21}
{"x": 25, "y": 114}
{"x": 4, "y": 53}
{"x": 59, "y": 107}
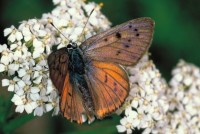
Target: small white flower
{"x": 7, "y": 31}
{"x": 27, "y": 33}
{"x": 53, "y": 99}
{"x": 13, "y": 33}
{"x": 38, "y": 48}
{"x": 13, "y": 67}
{"x": 6, "y": 56}
{"x": 25, "y": 74}
{"x": 39, "y": 72}
{"x": 36, "y": 27}
{"x": 126, "y": 125}
{"x": 22, "y": 88}
{"x": 22, "y": 104}
{"x": 34, "y": 90}
{"x": 40, "y": 102}
{"x": 3, "y": 48}
{"x": 12, "y": 84}
{"x": 50, "y": 86}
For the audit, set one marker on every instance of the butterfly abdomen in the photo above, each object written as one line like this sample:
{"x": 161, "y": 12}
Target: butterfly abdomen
{"x": 87, "y": 99}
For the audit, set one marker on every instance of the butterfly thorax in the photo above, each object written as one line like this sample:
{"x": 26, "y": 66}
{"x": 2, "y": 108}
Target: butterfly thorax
{"x": 76, "y": 63}
{"x": 77, "y": 71}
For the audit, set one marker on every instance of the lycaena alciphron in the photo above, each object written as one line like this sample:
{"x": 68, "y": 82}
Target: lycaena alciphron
{"x": 89, "y": 78}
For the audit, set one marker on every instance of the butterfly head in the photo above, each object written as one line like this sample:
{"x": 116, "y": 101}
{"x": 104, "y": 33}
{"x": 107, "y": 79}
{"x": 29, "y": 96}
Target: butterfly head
{"x": 71, "y": 45}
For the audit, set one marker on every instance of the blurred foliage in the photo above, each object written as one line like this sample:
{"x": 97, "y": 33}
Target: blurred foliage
{"x": 177, "y": 36}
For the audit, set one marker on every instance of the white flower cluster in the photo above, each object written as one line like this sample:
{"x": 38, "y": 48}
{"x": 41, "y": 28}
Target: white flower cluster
{"x": 146, "y": 103}
{"x": 183, "y": 116}
{"x": 24, "y": 57}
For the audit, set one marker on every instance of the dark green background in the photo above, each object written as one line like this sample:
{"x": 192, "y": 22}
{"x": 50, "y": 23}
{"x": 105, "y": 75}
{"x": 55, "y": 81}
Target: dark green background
{"x": 177, "y": 36}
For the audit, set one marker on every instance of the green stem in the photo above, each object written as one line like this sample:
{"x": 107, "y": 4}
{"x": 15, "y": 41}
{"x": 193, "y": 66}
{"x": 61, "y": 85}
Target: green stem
{"x": 7, "y": 108}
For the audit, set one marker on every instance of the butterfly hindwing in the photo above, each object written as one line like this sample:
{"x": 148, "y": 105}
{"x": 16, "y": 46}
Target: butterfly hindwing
{"x": 124, "y": 44}
{"x": 109, "y": 86}
{"x": 71, "y": 103}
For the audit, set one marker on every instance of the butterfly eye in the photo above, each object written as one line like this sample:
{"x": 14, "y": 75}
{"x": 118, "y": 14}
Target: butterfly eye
{"x": 63, "y": 58}
{"x": 69, "y": 46}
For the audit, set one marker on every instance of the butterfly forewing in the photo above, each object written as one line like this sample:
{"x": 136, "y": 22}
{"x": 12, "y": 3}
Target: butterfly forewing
{"x": 124, "y": 44}
{"x": 58, "y": 67}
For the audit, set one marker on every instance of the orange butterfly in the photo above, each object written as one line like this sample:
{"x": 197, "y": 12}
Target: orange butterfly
{"x": 89, "y": 78}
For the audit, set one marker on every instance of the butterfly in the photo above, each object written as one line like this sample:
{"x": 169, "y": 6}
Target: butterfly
{"x": 90, "y": 78}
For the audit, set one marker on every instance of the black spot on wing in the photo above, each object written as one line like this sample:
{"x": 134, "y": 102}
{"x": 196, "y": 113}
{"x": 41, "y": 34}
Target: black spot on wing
{"x": 118, "y": 35}
{"x": 106, "y": 78}
{"x": 126, "y": 45}
{"x": 118, "y": 52}
{"x": 69, "y": 94}
{"x": 115, "y": 84}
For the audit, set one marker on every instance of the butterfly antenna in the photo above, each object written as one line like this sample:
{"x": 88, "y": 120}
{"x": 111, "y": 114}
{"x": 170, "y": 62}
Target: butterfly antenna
{"x": 82, "y": 33}
{"x": 50, "y": 21}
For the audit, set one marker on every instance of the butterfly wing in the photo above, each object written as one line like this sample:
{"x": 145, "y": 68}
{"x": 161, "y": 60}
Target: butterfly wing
{"x": 71, "y": 103}
{"x": 58, "y": 67}
{"x": 108, "y": 85}
{"x": 124, "y": 44}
